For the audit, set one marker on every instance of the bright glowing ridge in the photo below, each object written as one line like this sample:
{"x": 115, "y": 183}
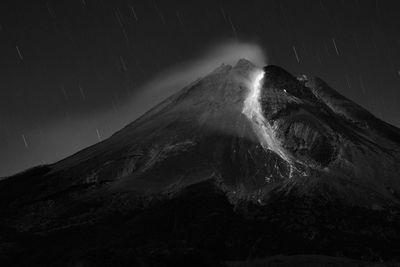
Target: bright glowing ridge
{"x": 253, "y": 111}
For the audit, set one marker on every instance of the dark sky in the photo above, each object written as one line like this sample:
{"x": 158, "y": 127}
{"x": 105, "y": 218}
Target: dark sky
{"x": 65, "y": 65}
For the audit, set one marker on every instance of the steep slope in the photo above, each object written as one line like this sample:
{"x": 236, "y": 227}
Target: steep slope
{"x": 237, "y": 164}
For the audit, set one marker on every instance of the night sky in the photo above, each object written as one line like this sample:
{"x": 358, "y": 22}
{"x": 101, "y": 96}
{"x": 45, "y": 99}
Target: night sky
{"x": 75, "y": 71}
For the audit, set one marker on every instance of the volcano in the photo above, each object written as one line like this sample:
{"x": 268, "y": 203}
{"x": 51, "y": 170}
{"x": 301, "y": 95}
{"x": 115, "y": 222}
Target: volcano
{"x": 244, "y": 163}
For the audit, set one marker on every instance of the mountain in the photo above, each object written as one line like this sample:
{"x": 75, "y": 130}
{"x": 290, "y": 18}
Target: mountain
{"x": 244, "y": 163}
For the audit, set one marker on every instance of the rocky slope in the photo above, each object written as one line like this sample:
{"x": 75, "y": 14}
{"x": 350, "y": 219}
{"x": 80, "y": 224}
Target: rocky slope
{"x": 245, "y": 162}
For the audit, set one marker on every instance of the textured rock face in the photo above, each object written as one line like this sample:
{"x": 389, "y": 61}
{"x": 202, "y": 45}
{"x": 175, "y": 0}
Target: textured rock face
{"x": 336, "y": 144}
{"x": 293, "y": 107}
{"x": 306, "y": 141}
{"x": 298, "y": 170}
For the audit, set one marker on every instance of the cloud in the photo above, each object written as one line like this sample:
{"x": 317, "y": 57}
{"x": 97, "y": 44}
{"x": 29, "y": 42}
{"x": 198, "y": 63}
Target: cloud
{"x": 175, "y": 78}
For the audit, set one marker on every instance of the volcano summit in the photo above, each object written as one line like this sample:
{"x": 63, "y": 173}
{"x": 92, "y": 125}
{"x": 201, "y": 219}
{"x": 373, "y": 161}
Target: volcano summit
{"x": 243, "y": 163}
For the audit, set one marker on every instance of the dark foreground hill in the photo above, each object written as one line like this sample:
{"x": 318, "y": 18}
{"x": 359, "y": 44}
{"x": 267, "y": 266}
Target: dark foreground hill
{"x": 239, "y": 166}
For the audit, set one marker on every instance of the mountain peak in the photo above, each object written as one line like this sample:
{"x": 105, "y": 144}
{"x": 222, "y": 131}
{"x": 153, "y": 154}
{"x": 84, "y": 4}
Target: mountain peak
{"x": 244, "y": 62}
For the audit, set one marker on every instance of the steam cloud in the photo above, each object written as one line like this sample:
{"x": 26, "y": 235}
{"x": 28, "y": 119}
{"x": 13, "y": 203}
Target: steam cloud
{"x": 171, "y": 81}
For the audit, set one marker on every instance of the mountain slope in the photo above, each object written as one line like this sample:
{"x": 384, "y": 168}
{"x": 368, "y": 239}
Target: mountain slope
{"x": 244, "y": 162}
